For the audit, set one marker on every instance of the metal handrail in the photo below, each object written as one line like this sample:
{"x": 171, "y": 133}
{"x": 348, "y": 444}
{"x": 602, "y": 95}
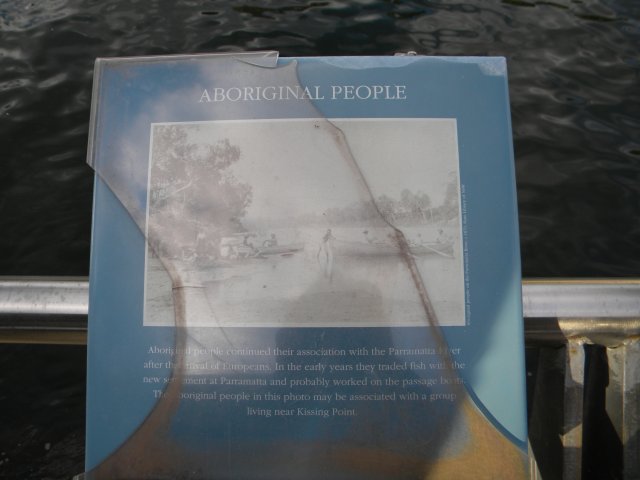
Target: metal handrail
{"x": 603, "y": 311}
{"x": 44, "y": 295}
{"x": 50, "y": 310}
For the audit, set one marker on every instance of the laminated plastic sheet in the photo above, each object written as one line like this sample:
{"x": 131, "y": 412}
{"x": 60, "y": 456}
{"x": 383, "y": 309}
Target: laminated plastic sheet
{"x": 304, "y": 268}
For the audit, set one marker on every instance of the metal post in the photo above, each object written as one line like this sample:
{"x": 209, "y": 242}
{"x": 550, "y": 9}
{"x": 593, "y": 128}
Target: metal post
{"x": 623, "y": 402}
{"x": 573, "y": 409}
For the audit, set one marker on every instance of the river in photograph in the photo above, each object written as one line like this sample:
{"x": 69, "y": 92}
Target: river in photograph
{"x": 307, "y": 283}
{"x": 574, "y": 79}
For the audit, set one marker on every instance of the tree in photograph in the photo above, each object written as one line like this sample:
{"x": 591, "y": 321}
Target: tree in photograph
{"x": 195, "y": 197}
{"x": 424, "y": 206}
{"x": 388, "y": 208}
{"x": 416, "y": 206}
{"x": 450, "y": 205}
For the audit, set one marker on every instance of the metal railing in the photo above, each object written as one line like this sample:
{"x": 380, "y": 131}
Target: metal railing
{"x": 567, "y": 322}
{"x": 581, "y": 330}
{"x": 44, "y": 310}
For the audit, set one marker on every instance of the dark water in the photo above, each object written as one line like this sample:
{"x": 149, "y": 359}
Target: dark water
{"x": 41, "y": 411}
{"x": 574, "y": 81}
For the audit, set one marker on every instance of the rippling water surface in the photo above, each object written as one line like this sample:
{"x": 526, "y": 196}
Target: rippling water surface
{"x": 574, "y": 81}
{"x": 574, "y": 78}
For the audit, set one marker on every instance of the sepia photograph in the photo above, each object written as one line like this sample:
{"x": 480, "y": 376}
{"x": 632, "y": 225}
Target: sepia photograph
{"x": 305, "y": 223}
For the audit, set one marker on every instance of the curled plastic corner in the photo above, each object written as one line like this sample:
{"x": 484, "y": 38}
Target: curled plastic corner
{"x": 260, "y": 59}
{"x": 267, "y": 59}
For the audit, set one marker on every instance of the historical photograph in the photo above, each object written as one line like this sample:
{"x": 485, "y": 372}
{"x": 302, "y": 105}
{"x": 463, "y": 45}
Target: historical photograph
{"x": 305, "y": 223}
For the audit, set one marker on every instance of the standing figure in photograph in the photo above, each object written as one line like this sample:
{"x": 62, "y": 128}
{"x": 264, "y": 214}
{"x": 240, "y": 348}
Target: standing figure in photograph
{"x": 325, "y": 253}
